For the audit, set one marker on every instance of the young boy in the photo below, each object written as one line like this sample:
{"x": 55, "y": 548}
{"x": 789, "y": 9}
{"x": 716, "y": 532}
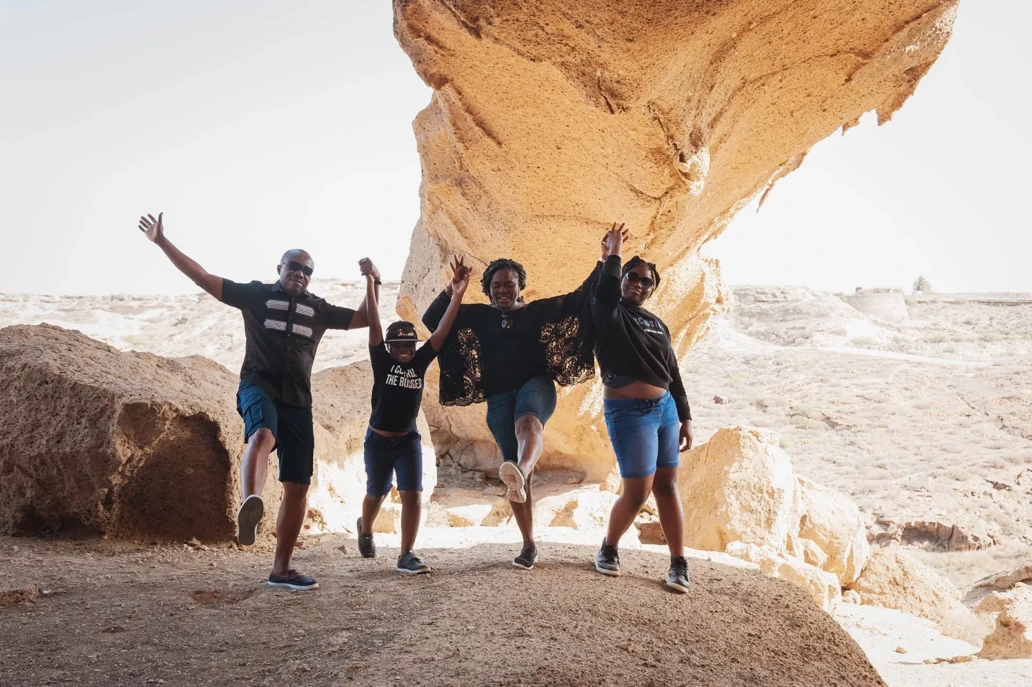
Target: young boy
{"x": 392, "y": 443}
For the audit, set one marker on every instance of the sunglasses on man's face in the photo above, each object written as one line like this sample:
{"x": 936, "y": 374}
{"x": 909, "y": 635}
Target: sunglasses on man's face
{"x": 635, "y": 278}
{"x": 294, "y": 266}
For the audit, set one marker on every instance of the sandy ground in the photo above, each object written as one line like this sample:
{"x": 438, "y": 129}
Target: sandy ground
{"x": 114, "y": 615}
{"x": 928, "y": 420}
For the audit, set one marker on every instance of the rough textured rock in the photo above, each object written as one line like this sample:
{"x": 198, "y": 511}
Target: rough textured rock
{"x": 341, "y": 406}
{"x": 134, "y": 445}
{"x": 823, "y": 587}
{"x": 1007, "y": 579}
{"x": 124, "y": 444}
{"x": 550, "y": 120}
{"x": 740, "y": 487}
{"x": 894, "y": 579}
{"x": 1012, "y": 636}
{"x": 934, "y": 535}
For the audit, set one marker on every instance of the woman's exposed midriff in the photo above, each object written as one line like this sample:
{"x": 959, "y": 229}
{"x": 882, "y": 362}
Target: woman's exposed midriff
{"x": 635, "y": 389}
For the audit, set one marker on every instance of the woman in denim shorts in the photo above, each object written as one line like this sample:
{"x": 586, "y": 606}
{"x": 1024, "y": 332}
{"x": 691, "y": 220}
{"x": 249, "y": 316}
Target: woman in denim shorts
{"x": 511, "y": 354}
{"x": 646, "y": 408}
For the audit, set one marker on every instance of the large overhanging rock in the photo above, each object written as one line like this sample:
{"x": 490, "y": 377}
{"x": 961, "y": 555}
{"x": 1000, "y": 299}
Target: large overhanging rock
{"x": 549, "y": 120}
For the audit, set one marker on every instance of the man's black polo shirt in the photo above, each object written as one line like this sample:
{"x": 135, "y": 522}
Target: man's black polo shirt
{"x": 283, "y": 333}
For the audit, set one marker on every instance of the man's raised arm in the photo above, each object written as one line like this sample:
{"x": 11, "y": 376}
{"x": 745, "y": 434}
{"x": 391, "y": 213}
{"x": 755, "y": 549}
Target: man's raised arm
{"x": 155, "y": 231}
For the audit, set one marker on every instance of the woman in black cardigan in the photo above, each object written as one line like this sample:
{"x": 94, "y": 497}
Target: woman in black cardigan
{"x": 510, "y": 354}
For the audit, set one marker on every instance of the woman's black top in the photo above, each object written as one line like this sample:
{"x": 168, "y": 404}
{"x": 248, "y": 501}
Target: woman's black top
{"x": 490, "y": 352}
{"x": 632, "y": 342}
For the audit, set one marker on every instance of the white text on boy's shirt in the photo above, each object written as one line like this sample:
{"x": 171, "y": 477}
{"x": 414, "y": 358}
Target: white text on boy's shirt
{"x": 407, "y": 379}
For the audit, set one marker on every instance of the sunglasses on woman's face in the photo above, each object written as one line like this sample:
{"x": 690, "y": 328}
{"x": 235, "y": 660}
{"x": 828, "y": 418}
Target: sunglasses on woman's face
{"x": 635, "y": 278}
{"x": 294, "y": 266}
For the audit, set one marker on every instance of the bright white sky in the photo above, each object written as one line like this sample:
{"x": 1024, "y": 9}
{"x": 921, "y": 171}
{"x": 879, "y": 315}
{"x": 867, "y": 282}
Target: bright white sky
{"x": 259, "y": 126}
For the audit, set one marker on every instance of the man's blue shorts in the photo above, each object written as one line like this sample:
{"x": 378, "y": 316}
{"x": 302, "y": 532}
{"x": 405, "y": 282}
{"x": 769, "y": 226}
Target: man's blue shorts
{"x": 645, "y": 434}
{"x": 290, "y": 425}
{"x": 536, "y": 397}
{"x": 386, "y": 455}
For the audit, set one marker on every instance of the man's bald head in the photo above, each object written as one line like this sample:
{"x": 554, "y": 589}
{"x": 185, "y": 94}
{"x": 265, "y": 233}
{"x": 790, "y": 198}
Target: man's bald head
{"x": 295, "y": 271}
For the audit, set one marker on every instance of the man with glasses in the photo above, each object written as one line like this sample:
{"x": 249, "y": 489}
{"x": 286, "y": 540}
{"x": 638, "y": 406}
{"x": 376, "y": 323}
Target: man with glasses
{"x": 283, "y": 324}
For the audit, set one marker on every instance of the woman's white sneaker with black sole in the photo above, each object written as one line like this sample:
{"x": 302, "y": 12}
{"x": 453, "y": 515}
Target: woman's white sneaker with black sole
{"x": 514, "y": 481}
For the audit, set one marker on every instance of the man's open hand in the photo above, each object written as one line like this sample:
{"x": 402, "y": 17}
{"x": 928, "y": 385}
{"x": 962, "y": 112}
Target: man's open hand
{"x": 152, "y": 228}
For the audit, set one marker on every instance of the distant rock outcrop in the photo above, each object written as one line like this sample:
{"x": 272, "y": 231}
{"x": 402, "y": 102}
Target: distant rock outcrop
{"x": 549, "y": 120}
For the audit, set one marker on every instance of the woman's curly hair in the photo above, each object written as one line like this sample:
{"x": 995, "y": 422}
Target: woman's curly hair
{"x": 501, "y": 264}
{"x": 634, "y": 262}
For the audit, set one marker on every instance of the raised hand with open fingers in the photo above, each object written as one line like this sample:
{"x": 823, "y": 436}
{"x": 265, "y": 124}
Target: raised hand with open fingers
{"x": 152, "y": 228}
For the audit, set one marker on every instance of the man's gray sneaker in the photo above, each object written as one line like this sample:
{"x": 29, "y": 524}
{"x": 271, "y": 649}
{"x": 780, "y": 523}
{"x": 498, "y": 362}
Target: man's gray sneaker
{"x": 409, "y": 563}
{"x": 677, "y": 579}
{"x": 248, "y": 517}
{"x": 607, "y": 560}
{"x": 365, "y": 543}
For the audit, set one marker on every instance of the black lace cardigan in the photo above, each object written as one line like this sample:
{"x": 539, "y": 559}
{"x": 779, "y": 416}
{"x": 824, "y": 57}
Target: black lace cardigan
{"x": 564, "y": 333}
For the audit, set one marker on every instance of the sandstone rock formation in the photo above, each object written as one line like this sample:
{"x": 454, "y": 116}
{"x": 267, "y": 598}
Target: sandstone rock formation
{"x": 894, "y": 579}
{"x": 741, "y": 496}
{"x": 124, "y": 444}
{"x": 550, "y": 120}
{"x": 1012, "y": 635}
{"x": 1007, "y": 579}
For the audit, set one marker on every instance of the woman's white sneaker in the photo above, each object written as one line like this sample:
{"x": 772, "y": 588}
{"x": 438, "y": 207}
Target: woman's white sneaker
{"x": 514, "y": 481}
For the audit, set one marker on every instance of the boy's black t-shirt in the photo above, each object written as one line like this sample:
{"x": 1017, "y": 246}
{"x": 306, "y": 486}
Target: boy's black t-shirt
{"x": 398, "y": 388}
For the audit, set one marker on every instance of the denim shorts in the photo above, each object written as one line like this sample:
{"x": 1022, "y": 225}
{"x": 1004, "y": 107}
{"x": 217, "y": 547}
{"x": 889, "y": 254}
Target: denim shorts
{"x": 645, "y": 434}
{"x": 386, "y": 455}
{"x": 536, "y": 397}
{"x": 291, "y": 426}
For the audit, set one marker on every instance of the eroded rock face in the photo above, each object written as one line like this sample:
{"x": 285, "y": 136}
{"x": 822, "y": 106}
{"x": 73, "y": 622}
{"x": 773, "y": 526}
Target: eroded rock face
{"x": 549, "y": 120}
{"x": 742, "y": 496}
{"x": 1012, "y": 634}
{"x": 894, "y": 579}
{"x": 124, "y": 444}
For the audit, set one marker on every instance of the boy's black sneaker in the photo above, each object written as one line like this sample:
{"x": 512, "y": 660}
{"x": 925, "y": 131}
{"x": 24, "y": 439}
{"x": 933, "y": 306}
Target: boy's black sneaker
{"x": 677, "y": 579}
{"x": 607, "y": 560}
{"x": 294, "y": 580}
{"x": 365, "y": 543}
{"x": 526, "y": 559}
{"x": 410, "y": 564}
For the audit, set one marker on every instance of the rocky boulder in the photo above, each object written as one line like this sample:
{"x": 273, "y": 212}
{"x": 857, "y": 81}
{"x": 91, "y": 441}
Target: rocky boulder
{"x": 127, "y": 445}
{"x": 548, "y": 122}
{"x": 895, "y": 579}
{"x": 741, "y": 495}
{"x": 1012, "y": 634}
